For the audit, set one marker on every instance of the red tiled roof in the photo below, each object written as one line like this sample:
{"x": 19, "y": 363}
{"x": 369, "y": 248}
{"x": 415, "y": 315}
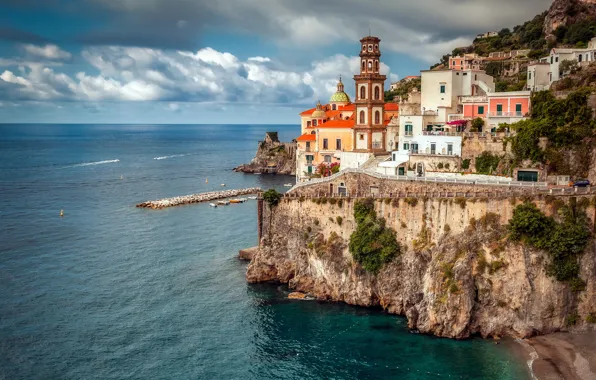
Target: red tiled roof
{"x": 391, "y": 107}
{"x": 337, "y": 124}
{"x": 412, "y": 76}
{"x": 307, "y": 137}
{"x": 348, "y": 107}
{"x": 332, "y": 114}
{"x": 308, "y": 112}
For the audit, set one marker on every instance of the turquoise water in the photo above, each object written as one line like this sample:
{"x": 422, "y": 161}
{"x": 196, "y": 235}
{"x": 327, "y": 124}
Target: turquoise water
{"x": 110, "y": 291}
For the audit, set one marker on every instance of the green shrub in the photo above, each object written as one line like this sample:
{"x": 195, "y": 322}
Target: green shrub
{"x": 465, "y": 164}
{"x": 339, "y": 220}
{"x": 272, "y": 197}
{"x": 316, "y": 222}
{"x": 447, "y": 228}
{"x": 324, "y": 200}
{"x": 453, "y": 288}
{"x": 440, "y": 165}
{"x": 572, "y": 319}
{"x": 591, "y": 318}
{"x": 331, "y": 220}
{"x": 482, "y": 263}
{"x": 496, "y": 265}
{"x": 486, "y": 163}
{"x": 309, "y": 229}
{"x": 340, "y": 202}
{"x": 372, "y": 244}
{"x": 387, "y": 201}
{"x": 332, "y": 201}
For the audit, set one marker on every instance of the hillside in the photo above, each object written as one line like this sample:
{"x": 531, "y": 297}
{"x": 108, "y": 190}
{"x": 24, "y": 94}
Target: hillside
{"x": 567, "y": 23}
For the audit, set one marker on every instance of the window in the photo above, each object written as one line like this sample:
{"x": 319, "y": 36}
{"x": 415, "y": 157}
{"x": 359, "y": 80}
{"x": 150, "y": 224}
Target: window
{"x": 556, "y": 59}
{"x": 370, "y": 48}
{"x": 414, "y": 148}
{"x": 363, "y": 65}
{"x": 443, "y": 89}
{"x": 433, "y": 148}
{"x": 529, "y": 75}
{"x": 362, "y": 92}
{"x": 429, "y": 127}
{"x": 406, "y": 146}
{"x": 450, "y": 149}
{"x": 334, "y": 107}
{"x": 377, "y": 116}
{"x": 327, "y": 158}
{"x": 518, "y": 109}
{"x": 309, "y": 158}
{"x": 579, "y": 58}
{"x": 369, "y": 65}
{"x": 364, "y": 47}
{"x": 308, "y": 123}
{"x": 314, "y": 123}
{"x": 307, "y": 147}
{"x": 551, "y": 59}
{"x": 376, "y": 65}
{"x": 377, "y": 93}
{"x": 362, "y": 121}
{"x": 338, "y": 144}
{"x": 499, "y": 109}
{"x": 465, "y": 74}
{"x": 476, "y": 77}
{"x": 325, "y": 144}
{"x": 480, "y": 110}
{"x": 361, "y": 136}
{"x": 376, "y": 47}
{"x": 409, "y": 129}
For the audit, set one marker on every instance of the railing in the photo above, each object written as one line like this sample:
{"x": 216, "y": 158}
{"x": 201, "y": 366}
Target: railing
{"x": 409, "y": 134}
{"x": 455, "y": 116}
{"x": 430, "y": 113}
{"x": 505, "y": 114}
{"x": 487, "y": 182}
{"x": 440, "y": 133}
{"x": 472, "y": 99}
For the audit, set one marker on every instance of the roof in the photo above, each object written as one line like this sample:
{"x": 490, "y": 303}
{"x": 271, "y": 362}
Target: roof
{"x": 308, "y": 112}
{"x": 348, "y": 107}
{"x": 337, "y": 124}
{"x": 412, "y": 76}
{"x": 340, "y": 96}
{"x": 391, "y": 107}
{"x": 307, "y": 137}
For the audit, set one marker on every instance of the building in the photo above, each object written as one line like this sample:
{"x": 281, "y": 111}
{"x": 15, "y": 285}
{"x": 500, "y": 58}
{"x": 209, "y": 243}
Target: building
{"x": 349, "y": 133}
{"x": 393, "y": 86}
{"x": 582, "y": 56}
{"x": 470, "y": 61}
{"x": 507, "y": 107}
{"x": 487, "y": 35}
{"x": 538, "y": 76}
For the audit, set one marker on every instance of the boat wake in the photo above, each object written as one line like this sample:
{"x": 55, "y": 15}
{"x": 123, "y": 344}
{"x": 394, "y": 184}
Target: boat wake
{"x": 92, "y": 163}
{"x": 173, "y": 156}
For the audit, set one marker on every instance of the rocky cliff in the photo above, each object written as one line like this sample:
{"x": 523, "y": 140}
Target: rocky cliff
{"x": 272, "y": 157}
{"x": 567, "y": 12}
{"x": 458, "y": 275}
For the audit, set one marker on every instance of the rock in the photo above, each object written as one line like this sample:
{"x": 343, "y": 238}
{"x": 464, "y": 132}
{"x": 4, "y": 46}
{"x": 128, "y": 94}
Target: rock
{"x": 297, "y": 296}
{"x": 247, "y": 254}
{"x": 272, "y": 157}
{"x": 567, "y": 12}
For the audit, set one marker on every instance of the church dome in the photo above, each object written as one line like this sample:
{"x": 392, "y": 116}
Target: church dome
{"x": 319, "y": 113}
{"x": 340, "y": 96}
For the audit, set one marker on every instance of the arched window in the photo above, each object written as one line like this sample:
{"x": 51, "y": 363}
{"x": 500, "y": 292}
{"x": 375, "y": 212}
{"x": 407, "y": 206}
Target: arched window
{"x": 377, "y": 117}
{"x": 333, "y": 107}
{"x": 376, "y": 65}
{"x": 362, "y": 92}
{"x": 369, "y": 65}
{"x": 362, "y": 121}
{"x": 363, "y": 65}
{"x": 377, "y": 93}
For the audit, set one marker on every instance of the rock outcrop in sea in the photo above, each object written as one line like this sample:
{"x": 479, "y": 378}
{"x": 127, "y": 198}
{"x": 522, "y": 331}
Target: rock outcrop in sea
{"x": 272, "y": 157}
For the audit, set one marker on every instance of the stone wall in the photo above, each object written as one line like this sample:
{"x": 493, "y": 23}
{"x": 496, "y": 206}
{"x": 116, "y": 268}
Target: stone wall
{"x": 477, "y": 144}
{"x": 457, "y": 274}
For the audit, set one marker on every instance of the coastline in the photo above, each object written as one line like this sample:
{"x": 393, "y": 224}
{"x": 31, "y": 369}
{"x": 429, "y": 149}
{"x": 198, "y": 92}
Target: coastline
{"x": 561, "y": 355}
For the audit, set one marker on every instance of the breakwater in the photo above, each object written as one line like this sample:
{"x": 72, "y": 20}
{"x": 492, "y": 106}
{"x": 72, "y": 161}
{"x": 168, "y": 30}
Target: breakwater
{"x": 197, "y": 198}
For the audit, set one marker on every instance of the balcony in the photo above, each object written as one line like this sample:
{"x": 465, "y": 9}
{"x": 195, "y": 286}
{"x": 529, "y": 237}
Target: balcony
{"x": 441, "y": 133}
{"x": 505, "y": 114}
{"x": 472, "y": 99}
{"x": 455, "y": 116}
{"x": 409, "y": 134}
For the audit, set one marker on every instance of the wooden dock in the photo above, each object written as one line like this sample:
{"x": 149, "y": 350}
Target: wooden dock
{"x": 197, "y": 198}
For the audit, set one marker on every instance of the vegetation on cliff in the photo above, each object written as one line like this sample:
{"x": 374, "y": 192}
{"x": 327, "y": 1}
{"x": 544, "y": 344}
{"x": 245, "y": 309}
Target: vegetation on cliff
{"x": 403, "y": 88}
{"x": 373, "y": 244}
{"x": 272, "y": 197}
{"x": 566, "y": 123}
{"x": 564, "y": 240}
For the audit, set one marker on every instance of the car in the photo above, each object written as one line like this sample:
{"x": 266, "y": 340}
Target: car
{"x": 581, "y": 183}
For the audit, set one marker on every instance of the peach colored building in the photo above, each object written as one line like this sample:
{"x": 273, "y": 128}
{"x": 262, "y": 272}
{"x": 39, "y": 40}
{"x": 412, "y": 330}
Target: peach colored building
{"x": 508, "y": 107}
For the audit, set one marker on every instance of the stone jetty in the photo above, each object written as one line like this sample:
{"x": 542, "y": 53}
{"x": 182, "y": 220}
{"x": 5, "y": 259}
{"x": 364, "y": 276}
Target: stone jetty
{"x": 197, "y": 198}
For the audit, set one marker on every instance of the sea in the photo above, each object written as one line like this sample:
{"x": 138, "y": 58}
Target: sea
{"x": 110, "y": 291}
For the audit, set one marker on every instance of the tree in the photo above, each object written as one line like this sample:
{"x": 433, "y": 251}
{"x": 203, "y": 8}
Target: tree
{"x": 569, "y": 66}
{"x": 477, "y": 125}
{"x": 504, "y": 32}
{"x": 272, "y": 197}
{"x": 486, "y": 163}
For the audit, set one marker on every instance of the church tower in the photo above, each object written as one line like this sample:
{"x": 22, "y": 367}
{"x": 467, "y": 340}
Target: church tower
{"x": 369, "y": 129}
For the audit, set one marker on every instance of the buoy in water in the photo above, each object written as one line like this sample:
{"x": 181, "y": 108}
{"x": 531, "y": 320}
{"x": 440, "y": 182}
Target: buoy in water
{"x": 121, "y": 177}
{"x": 207, "y": 180}
{"x": 223, "y": 185}
{"x": 61, "y": 212}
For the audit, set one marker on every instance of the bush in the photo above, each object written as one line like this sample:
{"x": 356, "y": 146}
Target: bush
{"x": 332, "y": 201}
{"x": 465, "y": 164}
{"x": 272, "y": 197}
{"x": 572, "y": 319}
{"x": 591, "y": 318}
{"x": 477, "y": 125}
{"x": 372, "y": 244}
{"x": 486, "y": 163}
{"x": 339, "y": 220}
{"x": 340, "y": 202}
{"x": 461, "y": 202}
{"x": 564, "y": 241}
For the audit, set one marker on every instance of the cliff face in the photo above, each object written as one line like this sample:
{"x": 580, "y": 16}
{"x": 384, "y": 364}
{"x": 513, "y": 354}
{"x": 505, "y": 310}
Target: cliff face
{"x": 566, "y": 12}
{"x": 457, "y": 276}
{"x": 273, "y": 157}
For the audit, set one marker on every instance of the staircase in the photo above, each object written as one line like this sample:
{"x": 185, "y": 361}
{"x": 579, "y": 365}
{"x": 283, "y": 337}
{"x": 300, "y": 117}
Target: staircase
{"x": 374, "y": 161}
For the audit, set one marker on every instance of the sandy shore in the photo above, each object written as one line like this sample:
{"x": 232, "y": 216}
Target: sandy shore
{"x": 562, "y": 356}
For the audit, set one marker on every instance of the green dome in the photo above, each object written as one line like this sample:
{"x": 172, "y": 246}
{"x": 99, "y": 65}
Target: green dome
{"x": 340, "y": 97}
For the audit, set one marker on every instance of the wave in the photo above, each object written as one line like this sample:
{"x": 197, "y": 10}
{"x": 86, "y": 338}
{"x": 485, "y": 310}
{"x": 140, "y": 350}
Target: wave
{"x": 173, "y": 156}
{"x": 92, "y": 163}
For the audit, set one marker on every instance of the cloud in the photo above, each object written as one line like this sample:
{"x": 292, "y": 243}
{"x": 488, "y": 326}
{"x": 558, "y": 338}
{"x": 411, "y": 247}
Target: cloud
{"x": 422, "y": 29}
{"x": 17, "y": 35}
{"x": 207, "y": 75}
{"x": 49, "y": 51}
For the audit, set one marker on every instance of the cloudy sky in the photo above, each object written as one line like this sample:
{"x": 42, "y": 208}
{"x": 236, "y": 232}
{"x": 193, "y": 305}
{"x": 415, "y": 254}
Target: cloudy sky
{"x": 216, "y": 61}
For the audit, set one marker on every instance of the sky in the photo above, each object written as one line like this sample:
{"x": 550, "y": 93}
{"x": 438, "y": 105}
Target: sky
{"x": 217, "y": 61}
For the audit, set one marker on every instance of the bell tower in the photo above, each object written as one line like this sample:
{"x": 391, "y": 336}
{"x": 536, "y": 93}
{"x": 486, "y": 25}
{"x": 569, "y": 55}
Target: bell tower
{"x": 369, "y": 129}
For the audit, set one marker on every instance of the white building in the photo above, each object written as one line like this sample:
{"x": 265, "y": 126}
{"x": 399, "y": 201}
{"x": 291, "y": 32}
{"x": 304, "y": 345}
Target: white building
{"x": 538, "y": 76}
{"x": 582, "y": 56}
